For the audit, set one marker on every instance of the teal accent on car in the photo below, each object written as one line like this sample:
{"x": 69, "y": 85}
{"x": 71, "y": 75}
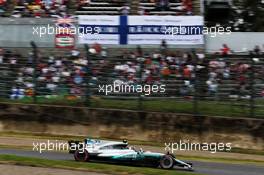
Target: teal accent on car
{"x": 137, "y": 156}
{"x": 128, "y": 156}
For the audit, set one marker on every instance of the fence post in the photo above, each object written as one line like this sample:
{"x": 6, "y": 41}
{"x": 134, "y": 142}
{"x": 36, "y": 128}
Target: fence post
{"x": 252, "y": 88}
{"x": 140, "y": 83}
{"x": 87, "y": 77}
{"x": 195, "y": 99}
{"x": 35, "y": 60}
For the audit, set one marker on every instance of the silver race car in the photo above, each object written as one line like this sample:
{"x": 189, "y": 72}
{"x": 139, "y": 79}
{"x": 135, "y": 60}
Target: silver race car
{"x": 122, "y": 153}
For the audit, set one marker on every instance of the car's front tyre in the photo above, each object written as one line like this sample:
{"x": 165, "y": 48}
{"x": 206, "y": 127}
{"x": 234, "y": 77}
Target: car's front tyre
{"x": 167, "y": 162}
{"x": 81, "y": 156}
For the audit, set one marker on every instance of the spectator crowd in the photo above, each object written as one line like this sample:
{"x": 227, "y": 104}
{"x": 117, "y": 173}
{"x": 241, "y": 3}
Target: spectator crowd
{"x": 49, "y": 8}
{"x": 34, "y": 8}
{"x": 70, "y": 74}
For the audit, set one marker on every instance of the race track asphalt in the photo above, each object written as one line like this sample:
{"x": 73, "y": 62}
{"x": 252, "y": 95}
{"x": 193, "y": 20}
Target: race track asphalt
{"x": 199, "y": 167}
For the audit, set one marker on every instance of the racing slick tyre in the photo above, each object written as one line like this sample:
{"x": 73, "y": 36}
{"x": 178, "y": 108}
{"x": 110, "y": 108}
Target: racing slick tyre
{"x": 81, "y": 156}
{"x": 167, "y": 162}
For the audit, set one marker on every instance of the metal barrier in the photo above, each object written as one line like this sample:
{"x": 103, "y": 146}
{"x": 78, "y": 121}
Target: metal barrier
{"x": 215, "y": 85}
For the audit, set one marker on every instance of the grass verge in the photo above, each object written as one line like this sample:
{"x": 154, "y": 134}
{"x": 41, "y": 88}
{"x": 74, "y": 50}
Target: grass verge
{"x": 212, "y": 108}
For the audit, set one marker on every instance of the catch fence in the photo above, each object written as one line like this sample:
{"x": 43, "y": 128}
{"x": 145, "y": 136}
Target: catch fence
{"x": 215, "y": 85}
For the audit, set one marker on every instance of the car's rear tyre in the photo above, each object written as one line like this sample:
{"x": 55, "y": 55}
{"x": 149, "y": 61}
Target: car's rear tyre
{"x": 81, "y": 156}
{"x": 167, "y": 162}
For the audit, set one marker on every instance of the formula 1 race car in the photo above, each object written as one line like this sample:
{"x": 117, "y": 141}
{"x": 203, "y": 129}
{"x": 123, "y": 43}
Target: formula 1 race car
{"x": 121, "y": 153}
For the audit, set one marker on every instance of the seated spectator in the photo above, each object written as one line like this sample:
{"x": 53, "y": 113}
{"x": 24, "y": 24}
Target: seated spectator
{"x": 125, "y": 10}
{"x": 165, "y": 72}
{"x": 139, "y": 52}
{"x": 187, "y": 72}
{"x": 97, "y": 47}
{"x": 17, "y": 93}
{"x": 262, "y": 93}
{"x": 257, "y": 51}
{"x": 1, "y": 56}
{"x": 162, "y": 5}
{"x": 142, "y": 11}
{"x": 163, "y": 47}
{"x": 212, "y": 87}
{"x": 85, "y": 2}
{"x": 225, "y": 51}
{"x": 2, "y": 2}
{"x": 188, "y": 7}
{"x": 2, "y": 6}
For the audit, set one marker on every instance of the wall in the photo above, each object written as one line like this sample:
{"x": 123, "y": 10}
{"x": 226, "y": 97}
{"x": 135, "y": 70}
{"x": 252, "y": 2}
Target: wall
{"x": 238, "y": 41}
{"x": 19, "y": 32}
{"x": 145, "y": 126}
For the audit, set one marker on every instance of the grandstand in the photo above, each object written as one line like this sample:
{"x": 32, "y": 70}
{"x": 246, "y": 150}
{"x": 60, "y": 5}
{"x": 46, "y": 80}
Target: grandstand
{"x": 240, "y": 15}
{"x": 43, "y": 8}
